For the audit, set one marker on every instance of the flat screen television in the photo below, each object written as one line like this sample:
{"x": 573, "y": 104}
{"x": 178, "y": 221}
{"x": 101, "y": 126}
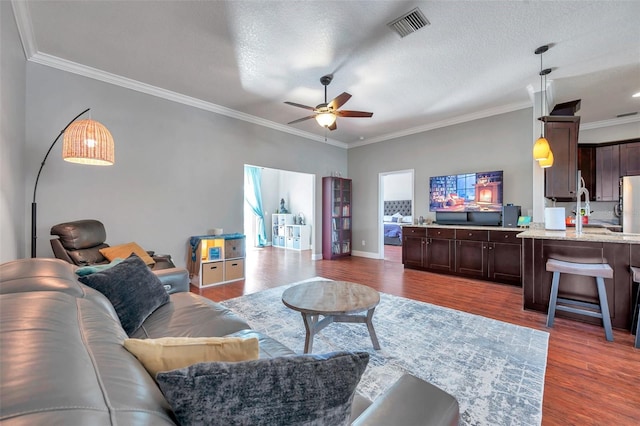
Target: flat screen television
{"x": 467, "y": 192}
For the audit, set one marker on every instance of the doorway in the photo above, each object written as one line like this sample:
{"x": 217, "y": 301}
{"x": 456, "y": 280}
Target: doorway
{"x": 395, "y": 207}
{"x": 298, "y": 192}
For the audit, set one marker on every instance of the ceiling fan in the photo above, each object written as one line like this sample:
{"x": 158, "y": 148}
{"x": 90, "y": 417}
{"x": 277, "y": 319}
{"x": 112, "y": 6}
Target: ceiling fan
{"x": 327, "y": 112}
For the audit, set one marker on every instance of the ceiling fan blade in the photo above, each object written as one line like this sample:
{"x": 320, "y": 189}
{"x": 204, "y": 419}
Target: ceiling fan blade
{"x": 301, "y": 119}
{"x": 339, "y": 100}
{"x": 345, "y": 113}
{"x": 300, "y": 106}
{"x": 333, "y": 126}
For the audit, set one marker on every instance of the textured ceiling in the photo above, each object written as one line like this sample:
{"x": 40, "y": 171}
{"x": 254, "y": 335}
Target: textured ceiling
{"x": 245, "y": 58}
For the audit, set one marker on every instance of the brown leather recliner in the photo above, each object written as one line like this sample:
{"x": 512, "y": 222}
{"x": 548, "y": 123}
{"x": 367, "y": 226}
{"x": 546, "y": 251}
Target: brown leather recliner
{"x": 80, "y": 242}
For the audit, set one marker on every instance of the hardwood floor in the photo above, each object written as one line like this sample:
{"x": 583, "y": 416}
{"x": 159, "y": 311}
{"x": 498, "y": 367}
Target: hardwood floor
{"x": 589, "y": 381}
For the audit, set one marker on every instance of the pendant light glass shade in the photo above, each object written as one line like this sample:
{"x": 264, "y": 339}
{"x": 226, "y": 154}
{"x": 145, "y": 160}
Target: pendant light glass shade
{"x": 88, "y": 142}
{"x": 326, "y": 119}
{"x": 541, "y": 149}
{"x": 547, "y": 162}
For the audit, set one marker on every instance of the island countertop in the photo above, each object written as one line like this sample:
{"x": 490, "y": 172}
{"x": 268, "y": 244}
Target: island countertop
{"x": 596, "y": 235}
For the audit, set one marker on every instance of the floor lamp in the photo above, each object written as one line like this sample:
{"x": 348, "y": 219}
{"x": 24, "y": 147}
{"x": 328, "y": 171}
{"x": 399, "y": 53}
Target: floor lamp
{"x": 84, "y": 142}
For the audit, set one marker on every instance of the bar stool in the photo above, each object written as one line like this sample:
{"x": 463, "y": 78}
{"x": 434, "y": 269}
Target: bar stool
{"x": 599, "y": 271}
{"x": 635, "y": 273}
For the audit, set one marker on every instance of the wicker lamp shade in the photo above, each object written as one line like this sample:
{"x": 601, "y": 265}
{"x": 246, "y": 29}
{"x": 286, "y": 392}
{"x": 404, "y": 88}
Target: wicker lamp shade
{"x": 88, "y": 142}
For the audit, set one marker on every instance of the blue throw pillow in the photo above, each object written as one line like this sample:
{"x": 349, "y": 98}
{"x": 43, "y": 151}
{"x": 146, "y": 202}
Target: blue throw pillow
{"x": 92, "y": 269}
{"x": 133, "y": 290}
{"x": 289, "y": 390}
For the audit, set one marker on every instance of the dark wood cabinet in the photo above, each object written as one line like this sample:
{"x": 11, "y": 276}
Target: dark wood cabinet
{"x": 505, "y": 257}
{"x": 477, "y": 253}
{"x": 560, "y": 179}
{"x": 336, "y": 217}
{"x": 630, "y": 159}
{"x": 440, "y": 250}
{"x": 537, "y": 281}
{"x": 471, "y": 252}
{"x": 587, "y": 165}
{"x": 607, "y": 172}
{"x": 414, "y": 245}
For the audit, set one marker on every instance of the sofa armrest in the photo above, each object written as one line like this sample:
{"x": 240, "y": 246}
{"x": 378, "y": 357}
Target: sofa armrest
{"x": 174, "y": 279}
{"x": 411, "y": 401}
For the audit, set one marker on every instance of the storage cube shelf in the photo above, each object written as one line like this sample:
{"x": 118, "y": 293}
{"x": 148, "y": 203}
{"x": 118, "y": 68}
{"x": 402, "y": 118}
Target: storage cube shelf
{"x": 287, "y": 235}
{"x": 216, "y": 259}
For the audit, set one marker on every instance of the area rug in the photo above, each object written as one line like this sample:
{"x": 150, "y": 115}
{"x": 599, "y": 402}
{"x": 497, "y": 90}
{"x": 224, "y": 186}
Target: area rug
{"x": 494, "y": 369}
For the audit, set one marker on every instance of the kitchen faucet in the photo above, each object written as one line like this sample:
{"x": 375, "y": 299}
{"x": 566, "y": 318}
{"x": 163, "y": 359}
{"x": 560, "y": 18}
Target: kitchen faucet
{"x": 582, "y": 189}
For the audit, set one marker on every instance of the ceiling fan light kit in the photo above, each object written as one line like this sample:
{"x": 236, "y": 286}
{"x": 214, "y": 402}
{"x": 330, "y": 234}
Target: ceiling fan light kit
{"x": 327, "y": 112}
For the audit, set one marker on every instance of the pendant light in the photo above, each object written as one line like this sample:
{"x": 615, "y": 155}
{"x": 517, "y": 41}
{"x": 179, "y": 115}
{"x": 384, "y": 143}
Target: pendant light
{"x": 546, "y": 162}
{"x": 541, "y": 149}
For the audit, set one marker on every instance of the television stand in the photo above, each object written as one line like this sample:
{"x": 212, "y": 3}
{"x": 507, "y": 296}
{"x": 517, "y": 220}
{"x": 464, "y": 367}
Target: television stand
{"x": 469, "y": 218}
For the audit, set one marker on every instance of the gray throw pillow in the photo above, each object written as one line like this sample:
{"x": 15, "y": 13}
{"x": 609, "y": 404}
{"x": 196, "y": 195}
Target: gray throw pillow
{"x": 133, "y": 290}
{"x": 289, "y": 390}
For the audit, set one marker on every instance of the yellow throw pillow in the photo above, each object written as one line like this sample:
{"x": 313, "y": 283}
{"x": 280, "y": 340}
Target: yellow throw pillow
{"x": 124, "y": 250}
{"x": 171, "y": 353}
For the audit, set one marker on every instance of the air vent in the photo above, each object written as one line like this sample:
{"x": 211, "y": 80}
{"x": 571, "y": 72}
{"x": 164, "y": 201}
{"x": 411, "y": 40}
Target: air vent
{"x": 409, "y": 23}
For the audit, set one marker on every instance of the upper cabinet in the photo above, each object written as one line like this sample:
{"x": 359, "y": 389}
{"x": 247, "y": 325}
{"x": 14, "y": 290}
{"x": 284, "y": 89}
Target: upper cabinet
{"x": 603, "y": 164}
{"x": 630, "y": 159}
{"x": 560, "y": 179}
{"x": 607, "y": 172}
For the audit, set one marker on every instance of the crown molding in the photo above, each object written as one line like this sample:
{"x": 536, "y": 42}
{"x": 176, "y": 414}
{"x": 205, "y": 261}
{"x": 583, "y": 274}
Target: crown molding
{"x": 25, "y": 29}
{"x": 609, "y": 123}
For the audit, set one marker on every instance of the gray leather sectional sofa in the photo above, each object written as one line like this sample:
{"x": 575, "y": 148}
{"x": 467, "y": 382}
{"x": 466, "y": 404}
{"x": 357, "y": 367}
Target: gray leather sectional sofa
{"x": 62, "y": 359}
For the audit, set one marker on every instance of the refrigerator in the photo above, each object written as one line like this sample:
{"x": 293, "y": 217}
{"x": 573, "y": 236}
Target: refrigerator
{"x": 630, "y": 204}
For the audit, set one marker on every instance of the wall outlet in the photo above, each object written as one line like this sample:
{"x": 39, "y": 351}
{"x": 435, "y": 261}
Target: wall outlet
{"x": 364, "y": 243}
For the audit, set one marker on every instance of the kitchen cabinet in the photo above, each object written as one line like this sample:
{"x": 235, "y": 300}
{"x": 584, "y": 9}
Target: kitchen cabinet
{"x": 630, "y": 159}
{"x": 607, "y": 172}
{"x": 560, "y": 179}
{"x": 487, "y": 254}
{"x": 587, "y": 166}
{"x": 537, "y": 281}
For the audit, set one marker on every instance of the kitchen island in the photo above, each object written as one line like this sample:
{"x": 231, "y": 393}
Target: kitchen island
{"x": 597, "y": 245}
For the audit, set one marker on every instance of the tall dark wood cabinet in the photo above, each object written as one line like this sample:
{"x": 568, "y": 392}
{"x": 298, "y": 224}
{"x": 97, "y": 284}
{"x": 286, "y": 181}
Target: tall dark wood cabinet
{"x": 336, "y": 217}
{"x": 560, "y": 179}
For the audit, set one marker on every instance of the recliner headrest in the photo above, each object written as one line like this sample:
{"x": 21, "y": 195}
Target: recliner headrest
{"x": 80, "y": 234}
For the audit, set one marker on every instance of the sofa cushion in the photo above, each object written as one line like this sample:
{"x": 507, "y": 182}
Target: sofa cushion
{"x": 190, "y": 315}
{"x": 62, "y": 363}
{"x": 171, "y": 353}
{"x": 293, "y": 390}
{"x": 124, "y": 250}
{"x": 133, "y": 290}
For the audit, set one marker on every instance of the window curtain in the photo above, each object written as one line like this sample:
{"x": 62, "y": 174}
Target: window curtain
{"x": 252, "y": 178}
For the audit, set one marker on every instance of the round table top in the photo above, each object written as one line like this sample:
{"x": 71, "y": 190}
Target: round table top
{"x": 330, "y": 297}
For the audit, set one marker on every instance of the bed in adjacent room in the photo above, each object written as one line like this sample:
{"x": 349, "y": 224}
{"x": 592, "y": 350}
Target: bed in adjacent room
{"x": 396, "y": 213}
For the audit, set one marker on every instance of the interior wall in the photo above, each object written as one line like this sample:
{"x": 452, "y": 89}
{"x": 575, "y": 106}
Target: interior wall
{"x": 179, "y": 170}
{"x": 397, "y": 186}
{"x": 12, "y": 135}
{"x": 501, "y": 142}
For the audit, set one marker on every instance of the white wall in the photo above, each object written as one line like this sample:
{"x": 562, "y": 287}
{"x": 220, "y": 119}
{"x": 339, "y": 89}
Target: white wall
{"x": 397, "y": 186}
{"x": 13, "y": 210}
{"x": 179, "y": 170}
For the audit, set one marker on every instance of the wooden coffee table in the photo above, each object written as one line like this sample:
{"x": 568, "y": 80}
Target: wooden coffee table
{"x": 336, "y": 301}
